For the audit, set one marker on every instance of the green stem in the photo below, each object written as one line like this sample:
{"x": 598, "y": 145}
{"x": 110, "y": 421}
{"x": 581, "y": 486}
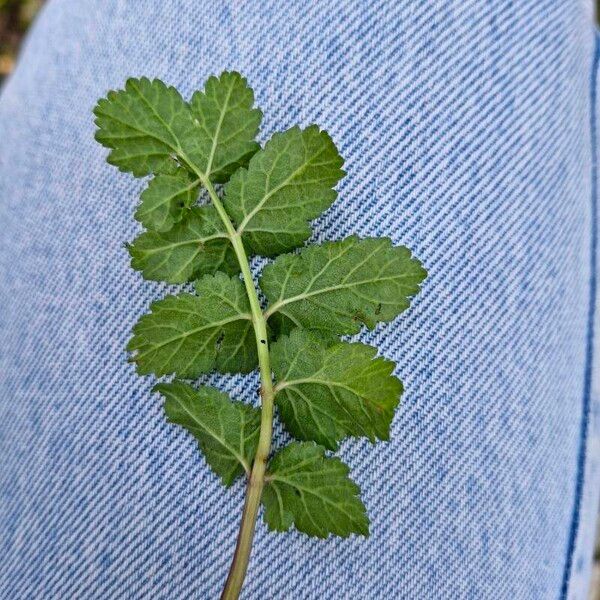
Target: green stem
{"x": 256, "y": 481}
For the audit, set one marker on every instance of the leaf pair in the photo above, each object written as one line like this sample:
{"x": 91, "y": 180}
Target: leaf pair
{"x": 303, "y": 486}
{"x": 334, "y": 289}
{"x": 326, "y": 390}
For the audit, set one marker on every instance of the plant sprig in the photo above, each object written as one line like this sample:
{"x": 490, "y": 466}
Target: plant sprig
{"x": 324, "y": 389}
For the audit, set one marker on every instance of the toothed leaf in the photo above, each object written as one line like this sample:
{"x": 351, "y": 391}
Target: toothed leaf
{"x": 146, "y": 126}
{"x": 229, "y": 125}
{"x": 286, "y": 185}
{"x": 166, "y": 200}
{"x": 325, "y": 390}
{"x": 151, "y": 129}
{"x": 312, "y": 492}
{"x": 337, "y": 287}
{"x": 190, "y": 335}
{"x": 329, "y": 392}
{"x": 196, "y": 246}
{"x": 227, "y": 431}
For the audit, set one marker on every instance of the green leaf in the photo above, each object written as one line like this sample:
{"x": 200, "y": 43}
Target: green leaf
{"x": 166, "y": 200}
{"x": 151, "y": 129}
{"x": 339, "y": 286}
{"x": 227, "y": 431}
{"x": 312, "y": 492}
{"x": 229, "y": 125}
{"x": 325, "y": 390}
{"x": 196, "y": 246}
{"x": 325, "y": 393}
{"x": 144, "y": 125}
{"x": 190, "y": 335}
{"x": 286, "y": 185}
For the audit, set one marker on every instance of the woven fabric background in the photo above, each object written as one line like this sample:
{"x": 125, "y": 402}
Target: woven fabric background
{"x": 468, "y": 129}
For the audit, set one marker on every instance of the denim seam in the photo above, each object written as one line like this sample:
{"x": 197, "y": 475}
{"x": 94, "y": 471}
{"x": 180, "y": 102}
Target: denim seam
{"x": 589, "y": 357}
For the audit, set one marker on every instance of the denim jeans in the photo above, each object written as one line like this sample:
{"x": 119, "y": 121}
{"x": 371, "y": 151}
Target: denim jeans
{"x": 469, "y": 130}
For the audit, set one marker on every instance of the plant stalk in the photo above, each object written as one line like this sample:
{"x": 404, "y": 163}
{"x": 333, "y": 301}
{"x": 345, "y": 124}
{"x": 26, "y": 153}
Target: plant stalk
{"x": 256, "y": 480}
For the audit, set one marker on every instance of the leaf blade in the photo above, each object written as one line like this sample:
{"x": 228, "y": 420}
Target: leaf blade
{"x": 166, "y": 200}
{"x": 337, "y": 287}
{"x": 229, "y": 123}
{"x": 327, "y": 392}
{"x": 143, "y": 126}
{"x": 313, "y": 492}
{"x": 149, "y": 128}
{"x": 191, "y": 335}
{"x": 196, "y": 246}
{"x": 227, "y": 431}
{"x": 287, "y": 184}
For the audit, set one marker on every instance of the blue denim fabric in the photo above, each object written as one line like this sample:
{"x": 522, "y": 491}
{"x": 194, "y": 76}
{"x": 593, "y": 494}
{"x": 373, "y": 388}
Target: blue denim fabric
{"x": 469, "y": 132}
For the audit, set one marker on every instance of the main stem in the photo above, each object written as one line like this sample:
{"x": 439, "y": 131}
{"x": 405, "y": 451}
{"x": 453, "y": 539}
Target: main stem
{"x": 256, "y": 480}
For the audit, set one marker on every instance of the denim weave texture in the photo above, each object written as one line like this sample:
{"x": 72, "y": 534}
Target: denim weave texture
{"x": 469, "y": 133}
